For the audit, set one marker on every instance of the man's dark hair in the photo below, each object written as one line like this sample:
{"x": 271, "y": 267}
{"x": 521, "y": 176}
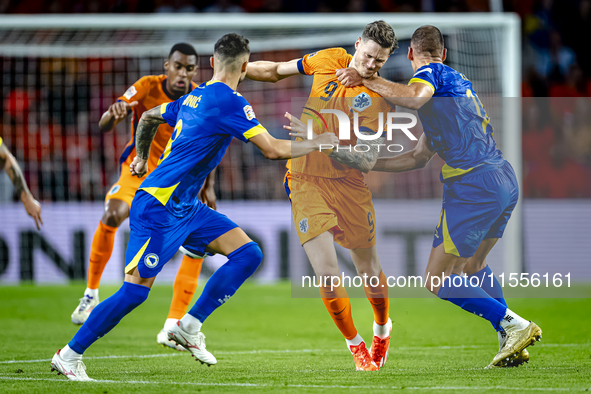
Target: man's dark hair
{"x": 184, "y": 48}
{"x": 382, "y": 33}
{"x": 231, "y": 46}
{"x": 427, "y": 39}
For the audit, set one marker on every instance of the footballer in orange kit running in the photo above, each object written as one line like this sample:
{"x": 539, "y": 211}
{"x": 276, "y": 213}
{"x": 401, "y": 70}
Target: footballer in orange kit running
{"x": 330, "y": 201}
{"x": 148, "y": 92}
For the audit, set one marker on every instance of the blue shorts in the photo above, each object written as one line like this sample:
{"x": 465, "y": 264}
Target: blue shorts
{"x": 476, "y": 206}
{"x": 156, "y": 234}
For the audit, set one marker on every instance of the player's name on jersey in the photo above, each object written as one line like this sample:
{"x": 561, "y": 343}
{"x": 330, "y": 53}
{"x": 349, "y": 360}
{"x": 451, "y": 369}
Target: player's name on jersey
{"x": 192, "y": 101}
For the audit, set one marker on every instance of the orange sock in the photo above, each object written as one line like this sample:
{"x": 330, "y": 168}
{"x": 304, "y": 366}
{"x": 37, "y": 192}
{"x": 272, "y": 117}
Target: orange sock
{"x": 339, "y": 306}
{"x": 100, "y": 253}
{"x": 378, "y": 298}
{"x": 184, "y": 286}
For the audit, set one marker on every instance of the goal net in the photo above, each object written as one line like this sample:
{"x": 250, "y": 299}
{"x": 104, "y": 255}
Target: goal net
{"x": 61, "y": 72}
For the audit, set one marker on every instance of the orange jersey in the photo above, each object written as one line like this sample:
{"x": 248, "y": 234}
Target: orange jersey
{"x": 328, "y": 93}
{"x": 149, "y": 91}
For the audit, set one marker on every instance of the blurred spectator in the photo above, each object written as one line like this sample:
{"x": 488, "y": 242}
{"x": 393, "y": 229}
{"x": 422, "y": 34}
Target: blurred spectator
{"x": 560, "y": 177}
{"x": 557, "y": 58}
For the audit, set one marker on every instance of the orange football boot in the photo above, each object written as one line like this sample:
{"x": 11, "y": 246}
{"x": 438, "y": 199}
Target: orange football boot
{"x": 363, "y": 361}
{"x": 380, "y": 347}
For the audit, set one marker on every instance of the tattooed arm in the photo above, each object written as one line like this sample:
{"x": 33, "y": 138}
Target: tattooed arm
{"x": 10, "y": 165}
{"x": 364, "y": 159}
{"x": 146, "y": 130}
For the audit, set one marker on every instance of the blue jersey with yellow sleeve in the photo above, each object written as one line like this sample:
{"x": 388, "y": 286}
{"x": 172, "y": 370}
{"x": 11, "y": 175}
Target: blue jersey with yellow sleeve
{"x": 455, "y": 122}
{"x": 204, "y": 121}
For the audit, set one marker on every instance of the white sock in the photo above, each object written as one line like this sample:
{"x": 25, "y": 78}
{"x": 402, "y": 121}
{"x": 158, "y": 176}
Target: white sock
{"x": 502, "y": 338}
{"x": 69, "y": 355}
{"x": 382, "y": 331}
{"x": 512, "y": 321}
{"x": 93, "y": 293}
{"x": 169, "y": 323}
{"x": 191, "y": 324}
{"x": 355, "y": 341}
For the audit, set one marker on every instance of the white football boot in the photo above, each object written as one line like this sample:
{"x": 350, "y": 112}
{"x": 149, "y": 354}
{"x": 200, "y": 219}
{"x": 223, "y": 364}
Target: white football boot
{"x": 162, "y": 340}
{"x": 83, "y": 309}
{"x": 73, "y": 370}
{"x": 193, "y": 343}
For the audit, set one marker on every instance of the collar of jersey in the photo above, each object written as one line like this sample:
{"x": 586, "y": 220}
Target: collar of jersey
{"x": 212, "y": 82}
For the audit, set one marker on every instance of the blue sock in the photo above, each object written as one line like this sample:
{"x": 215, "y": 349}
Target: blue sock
{"x": 489, "y": 283}
{"x": 473, "y": 299}
{"x": 227, "y": 279}
{"x": 107, "y": 315}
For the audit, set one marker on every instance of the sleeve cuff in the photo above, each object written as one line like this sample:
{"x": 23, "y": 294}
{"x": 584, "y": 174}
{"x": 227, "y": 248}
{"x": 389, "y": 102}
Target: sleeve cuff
{"x": 419, "y": 80}
{"x": 301, "y": 66}
{"x": 256, "y": 130}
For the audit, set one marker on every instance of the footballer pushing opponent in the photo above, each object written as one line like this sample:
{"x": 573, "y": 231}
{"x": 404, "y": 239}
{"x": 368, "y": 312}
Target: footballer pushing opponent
{"x": 166, "y": 213}
{"x": 148, "y": 92}
{"x": 330, "y": 201}
{"x": 480, "y": 189}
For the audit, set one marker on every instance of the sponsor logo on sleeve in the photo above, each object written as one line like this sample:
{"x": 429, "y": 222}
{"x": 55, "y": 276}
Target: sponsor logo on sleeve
{"x": 132, "y": 91}
{"x": 249, "y": 112}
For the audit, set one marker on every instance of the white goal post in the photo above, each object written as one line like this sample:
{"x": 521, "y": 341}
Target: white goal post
{"x": 79, "y": 36}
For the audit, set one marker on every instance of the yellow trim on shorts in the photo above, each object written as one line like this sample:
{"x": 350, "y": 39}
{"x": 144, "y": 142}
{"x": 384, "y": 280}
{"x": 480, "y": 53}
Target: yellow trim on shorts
{"x": 449, "y": 172}
{"x": 161, "y": 194}
{"x": 256, "y": 130}
{"x": 419, "y": 80}
{"x": 448, "y": 243}
{"x": 137, "y": 257}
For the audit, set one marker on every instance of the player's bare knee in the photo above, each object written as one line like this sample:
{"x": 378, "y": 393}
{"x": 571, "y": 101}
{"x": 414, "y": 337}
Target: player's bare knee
{"x": 112, "y": 218}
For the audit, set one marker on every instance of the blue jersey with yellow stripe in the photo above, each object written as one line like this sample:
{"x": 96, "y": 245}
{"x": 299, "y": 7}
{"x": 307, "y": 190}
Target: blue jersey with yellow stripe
{"x": 204, "y": 121}
{"x": 455, "y": 122}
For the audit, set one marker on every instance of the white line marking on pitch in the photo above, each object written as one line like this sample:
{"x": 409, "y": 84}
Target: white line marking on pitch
{"x": 220, "y": 352}
{"x": 265, "y": 351}
{"x": 309, "y": 386}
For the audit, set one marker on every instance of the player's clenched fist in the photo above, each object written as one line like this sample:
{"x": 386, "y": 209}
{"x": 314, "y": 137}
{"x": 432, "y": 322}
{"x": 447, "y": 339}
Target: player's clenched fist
{"x": 120, "y": 108}
{"x": 138, "y": 167}
{"x": 349, "y": 77}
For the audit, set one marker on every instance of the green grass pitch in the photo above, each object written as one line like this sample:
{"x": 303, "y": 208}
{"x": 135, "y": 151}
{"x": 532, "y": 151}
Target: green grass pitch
{"x": 265, "y": 340}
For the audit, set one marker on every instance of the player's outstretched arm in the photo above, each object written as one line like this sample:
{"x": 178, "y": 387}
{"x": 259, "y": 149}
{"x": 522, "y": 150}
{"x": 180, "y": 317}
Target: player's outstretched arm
{"x": 115, "y": 115}
{"x": 275, "y": 149}
{"x": 265, "y": 71}
{"x": 412, "y": 96}
{"x": 361, "y": 159}
{"x": 146, "y": 130}
{"x": 10, "y": 165}
{"x": 416, "y": 158}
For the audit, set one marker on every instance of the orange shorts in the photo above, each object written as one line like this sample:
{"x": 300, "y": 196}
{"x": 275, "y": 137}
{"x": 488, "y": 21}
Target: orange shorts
{"x": 340, "y": 205}
{"x": 125, "y": 187}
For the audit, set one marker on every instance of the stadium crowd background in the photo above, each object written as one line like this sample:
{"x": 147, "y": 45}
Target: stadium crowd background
{"x": 63, "y": 165}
